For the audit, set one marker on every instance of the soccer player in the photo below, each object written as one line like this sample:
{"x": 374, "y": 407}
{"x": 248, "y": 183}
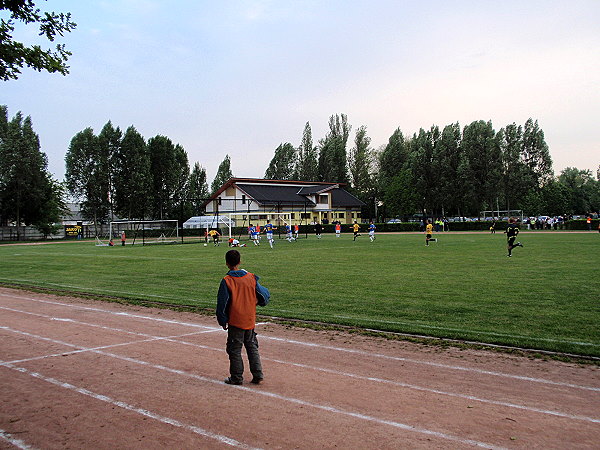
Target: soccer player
{"x": 372, "y": 231}
{"x": 428, "y": 233}
{"x": 318, "y": 230}
{"x": 296, "y": 231}
{"x": 355, "y": 228}
{"x": 254, "y": 235}
{"x": 269, "y": 229}
{"x": 338, "y": 229}
{"x": 288, "y": 232}
{"x": 512, "y": 231}
{"x": 214, "y": 234}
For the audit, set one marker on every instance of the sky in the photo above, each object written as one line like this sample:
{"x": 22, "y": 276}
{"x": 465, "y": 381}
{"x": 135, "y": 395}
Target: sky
{"x": 240, "y": 77}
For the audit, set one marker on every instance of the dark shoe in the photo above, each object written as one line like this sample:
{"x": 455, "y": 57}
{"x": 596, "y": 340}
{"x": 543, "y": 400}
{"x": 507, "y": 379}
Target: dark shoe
{"x": 228, "y": 380}
{"x": 256, "y": 380}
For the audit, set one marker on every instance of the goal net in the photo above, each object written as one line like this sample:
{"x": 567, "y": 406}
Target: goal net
{"x": 146, "y": 232}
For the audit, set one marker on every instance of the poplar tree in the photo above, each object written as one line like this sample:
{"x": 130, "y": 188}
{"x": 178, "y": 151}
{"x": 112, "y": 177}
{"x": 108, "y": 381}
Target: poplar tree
{"x": 87, "y": 176}
{"x": 307, "y": 168}
{"x": 282, "y": 165}
{"x": 333, "y": 164}
{"x": 223, "y": 174}
{"x": 132, "y": 176}
{"x": 28, "y": 193}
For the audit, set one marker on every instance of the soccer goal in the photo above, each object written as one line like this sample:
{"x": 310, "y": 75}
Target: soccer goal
{"x": 256, "y": 218}
{"x": 149, "y": 232}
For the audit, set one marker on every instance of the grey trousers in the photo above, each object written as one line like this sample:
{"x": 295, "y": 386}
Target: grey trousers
{"x": 236, "y": 338}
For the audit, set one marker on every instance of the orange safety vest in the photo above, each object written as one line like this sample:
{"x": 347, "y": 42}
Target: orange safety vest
{"x": 242, "y": 301}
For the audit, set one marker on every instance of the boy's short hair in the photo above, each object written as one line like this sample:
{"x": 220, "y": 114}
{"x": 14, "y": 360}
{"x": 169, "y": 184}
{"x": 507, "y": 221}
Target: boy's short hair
{"x": 232, "y": 257}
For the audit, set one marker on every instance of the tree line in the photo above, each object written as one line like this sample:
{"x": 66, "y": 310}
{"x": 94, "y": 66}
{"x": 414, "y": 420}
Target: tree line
{"x": 120, "y": 174}
{"x": 447, "y": 171}
{"x": 441, "y": 171}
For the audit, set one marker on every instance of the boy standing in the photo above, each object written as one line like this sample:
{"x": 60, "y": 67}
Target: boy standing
{"x": 372, "y": 231}
{"x": 239, "y": 293}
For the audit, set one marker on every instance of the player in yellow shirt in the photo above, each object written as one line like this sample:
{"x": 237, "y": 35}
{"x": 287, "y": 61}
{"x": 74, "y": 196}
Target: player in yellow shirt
{"x": 355, "y": 228}
{"x": 428, "y": 233}
{"x": 214, "y": 234}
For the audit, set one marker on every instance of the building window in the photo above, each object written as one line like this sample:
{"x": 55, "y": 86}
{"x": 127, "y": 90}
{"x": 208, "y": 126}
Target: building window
{"x": 323, "y": 199}
{"x": 340, "y": 215}
{"x": 243, "y": 199}
{"x": 293, "y": 216}
{"x": 220, "y": 201}
{"x": 305, "y": 215}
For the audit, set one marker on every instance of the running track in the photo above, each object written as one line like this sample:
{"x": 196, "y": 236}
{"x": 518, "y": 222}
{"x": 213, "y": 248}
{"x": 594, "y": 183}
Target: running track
{"x": 85, "y": 374}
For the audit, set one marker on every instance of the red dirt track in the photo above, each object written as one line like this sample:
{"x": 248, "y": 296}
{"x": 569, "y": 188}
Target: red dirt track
{"x": 80, "y": 373}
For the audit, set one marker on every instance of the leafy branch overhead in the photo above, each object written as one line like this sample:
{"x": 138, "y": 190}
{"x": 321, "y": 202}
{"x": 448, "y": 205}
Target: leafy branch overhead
{"x": 15, "y": 55}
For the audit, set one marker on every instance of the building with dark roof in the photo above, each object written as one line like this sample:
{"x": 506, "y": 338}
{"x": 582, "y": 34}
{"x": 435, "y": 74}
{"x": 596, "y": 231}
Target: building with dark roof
{"x": 248, "y": 200}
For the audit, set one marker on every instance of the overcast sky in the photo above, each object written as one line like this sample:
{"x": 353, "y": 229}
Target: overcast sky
{"x": 241, "y": 77}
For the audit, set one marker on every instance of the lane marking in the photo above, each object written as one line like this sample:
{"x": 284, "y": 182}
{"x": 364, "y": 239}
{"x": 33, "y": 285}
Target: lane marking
{"x": 326, "y": 408}
{"x": 144, "y": 412}
{"x": 174, "y": 339}
{"x": 14, "y": 441}
{"x": 332, "y": 348}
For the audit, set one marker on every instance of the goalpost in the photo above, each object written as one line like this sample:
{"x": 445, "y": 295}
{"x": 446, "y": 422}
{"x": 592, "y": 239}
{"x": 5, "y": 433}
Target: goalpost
{"x": 148, "y": 231}
{"x": 247, "y": 216}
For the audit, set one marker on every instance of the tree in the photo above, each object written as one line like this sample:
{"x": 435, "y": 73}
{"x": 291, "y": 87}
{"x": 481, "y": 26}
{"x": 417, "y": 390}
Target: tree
{"x": 109, "y": 142}
{"x": 87, "y": 177}
{"x": 282, "y": 166}
{"x": 163, "y": 175}
{"x": 394, "y": 157}
{"x": 360, "y": 162}
{"x": 580, "y": 188}
{"x": 14, "y": 55}
{"x": 535, "y": 154}
{"x": 223, "y": 174}
{"x": 332, "y": 164}
{"x": 132, "y": 179}
{"x": 514, "y": 174}
{"x": 422, "y": 164}
{"x": 28, "y": 194}
{"x": 449, "y": 157}
{"x": 483, "y": 166}
{"x": 307, "y": 167}
{"x": 197, "y": 188}
{"x": 179, "y": 207}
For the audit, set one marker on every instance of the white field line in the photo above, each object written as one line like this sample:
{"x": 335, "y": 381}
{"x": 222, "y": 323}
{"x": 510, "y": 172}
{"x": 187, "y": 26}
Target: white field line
{"x": 332, "y": 348}
{"x": 14, "y": 441}
{"x": 144, "y": 412}
{"x": 175, "y": 339}
{"x": 330, "y": 409}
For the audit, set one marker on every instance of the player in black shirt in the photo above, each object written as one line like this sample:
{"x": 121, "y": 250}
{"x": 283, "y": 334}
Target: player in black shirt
{"x": 512, "y": 231}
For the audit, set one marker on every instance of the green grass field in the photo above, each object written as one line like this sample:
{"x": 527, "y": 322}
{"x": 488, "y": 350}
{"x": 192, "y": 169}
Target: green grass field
{"x": 544, "y": 297}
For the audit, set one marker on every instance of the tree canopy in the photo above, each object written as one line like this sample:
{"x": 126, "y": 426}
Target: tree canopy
{"x": 14, "y": 55}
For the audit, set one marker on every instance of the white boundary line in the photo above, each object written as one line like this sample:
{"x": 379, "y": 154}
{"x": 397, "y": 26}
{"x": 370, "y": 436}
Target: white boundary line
{"x": 16, "y": 442}
{"x": 174, "y": 339}
{"x": 327, "y": 347}
{"x": 166, "y": 420}
{"x": 331, "y": 409}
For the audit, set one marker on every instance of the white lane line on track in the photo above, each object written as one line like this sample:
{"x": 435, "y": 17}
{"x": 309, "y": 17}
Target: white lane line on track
{"x": 126, "y": 314}
{"x": 144, "y": 412}
{"x": 332, "y": 348}
{"x": 433, "y": 364}
{"x": 174, "y": 339}
{"x": 14, "y": 441}
{"x": 331, "y": 409}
